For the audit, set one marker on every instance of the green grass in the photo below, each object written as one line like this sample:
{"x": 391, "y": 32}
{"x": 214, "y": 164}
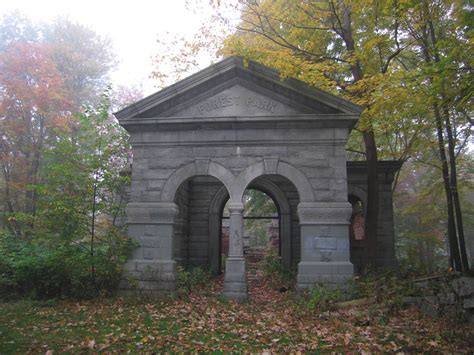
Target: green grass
{"x": 203, "y": 323}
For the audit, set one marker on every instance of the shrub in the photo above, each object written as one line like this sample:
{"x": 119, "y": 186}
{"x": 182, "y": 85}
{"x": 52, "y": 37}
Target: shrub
{"x": 387, "y": 288}
{"x": 275, "y": 271}
{"x": 38, "y": 270}
{"x": 191, "y": 279}
{"x": 322, "y": 298}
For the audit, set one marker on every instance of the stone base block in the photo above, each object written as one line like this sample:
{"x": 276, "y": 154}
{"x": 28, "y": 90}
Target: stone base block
{"x": 151, "y": 277}
{"x": 332, "y": 274}
{"x": 235, "y": 283}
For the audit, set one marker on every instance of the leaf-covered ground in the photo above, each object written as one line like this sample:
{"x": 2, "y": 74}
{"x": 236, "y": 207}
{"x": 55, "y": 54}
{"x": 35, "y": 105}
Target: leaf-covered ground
{"x": 204, "y": 322}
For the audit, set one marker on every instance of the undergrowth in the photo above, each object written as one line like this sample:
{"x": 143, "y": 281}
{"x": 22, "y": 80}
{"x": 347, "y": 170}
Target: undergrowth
{"x": 191, "y": 280}
{"x": 276, "y": 273}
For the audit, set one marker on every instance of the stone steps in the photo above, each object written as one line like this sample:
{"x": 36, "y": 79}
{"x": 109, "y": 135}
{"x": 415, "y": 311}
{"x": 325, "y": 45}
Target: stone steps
{"x": 254, "y": 258}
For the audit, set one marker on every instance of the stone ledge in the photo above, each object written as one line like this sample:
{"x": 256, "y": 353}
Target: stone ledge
{"x": 324, "y": 213}
{"x": 151, "y": 213}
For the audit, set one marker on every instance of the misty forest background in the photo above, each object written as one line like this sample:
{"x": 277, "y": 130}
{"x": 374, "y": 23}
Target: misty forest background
{"x": 63, "y": 154}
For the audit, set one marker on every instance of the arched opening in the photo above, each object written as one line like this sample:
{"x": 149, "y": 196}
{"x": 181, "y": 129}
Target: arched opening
{"x": 284, "y": 196}
{"x": 357, "y": 226}
{"x": 262, "y": 222}
{"x": 357, "y": 232}
{"x": 192, "y": 228}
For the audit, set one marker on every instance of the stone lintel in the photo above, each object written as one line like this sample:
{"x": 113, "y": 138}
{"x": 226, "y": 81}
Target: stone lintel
{"x": 324, "y": 213}
{"x": 151, "y": 213}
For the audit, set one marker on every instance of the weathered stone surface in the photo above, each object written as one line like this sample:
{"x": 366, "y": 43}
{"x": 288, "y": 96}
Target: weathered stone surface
{"x": 464, "y": 286}
{"x": 236, "y": 101}
{"x": 235, "y": 284}
{"x": 207, "y": 139}
{"x": 324, "y": 213}
{"x": 468, "y": 303}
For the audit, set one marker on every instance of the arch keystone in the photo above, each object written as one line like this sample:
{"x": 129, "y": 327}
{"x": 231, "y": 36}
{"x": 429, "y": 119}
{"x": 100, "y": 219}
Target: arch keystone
{"x": 202, "y": 166}
{"x": 271, "y": 165}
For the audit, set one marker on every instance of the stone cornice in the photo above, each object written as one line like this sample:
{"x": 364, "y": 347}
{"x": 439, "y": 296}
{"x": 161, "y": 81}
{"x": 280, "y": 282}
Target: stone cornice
{"x": 189, "y": 123}
{"x": 382, "y": 165}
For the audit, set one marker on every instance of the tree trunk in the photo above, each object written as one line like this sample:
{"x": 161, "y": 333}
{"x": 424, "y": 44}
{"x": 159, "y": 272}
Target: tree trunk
{"x": 371, "y": 216}
{"x": 12, "y": 224}
{"x": 455, "y": 194}
{"x": 92, "y": 244}
{"x": 452, "y": 237}
{"x": 463, "y": 263}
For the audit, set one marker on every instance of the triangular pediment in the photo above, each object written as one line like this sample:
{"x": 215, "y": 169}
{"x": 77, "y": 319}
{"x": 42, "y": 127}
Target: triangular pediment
{"x": 238, "y": 100}
{"x": 230, "y": 88}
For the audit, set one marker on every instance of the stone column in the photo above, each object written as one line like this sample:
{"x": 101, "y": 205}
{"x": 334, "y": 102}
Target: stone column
{"x": 235, "y": 284}
{"x": 285, "y": 239}
{"x": 325, "y": 254}
{"x": 151, "y": 269}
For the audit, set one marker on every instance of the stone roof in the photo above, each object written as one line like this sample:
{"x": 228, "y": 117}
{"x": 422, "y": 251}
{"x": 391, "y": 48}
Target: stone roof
{"x": 232, "y": 88}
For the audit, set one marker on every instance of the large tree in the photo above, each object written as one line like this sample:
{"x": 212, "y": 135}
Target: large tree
{"x": 408, "y": 63}
{"x": 442, "y": 35}
{"x": 48, "y": 72}
{"x": 364, "y": 50}
{"x": 33, "y": 104}
{"x": 82, "y": 57}
{"x": 348, "y": 47}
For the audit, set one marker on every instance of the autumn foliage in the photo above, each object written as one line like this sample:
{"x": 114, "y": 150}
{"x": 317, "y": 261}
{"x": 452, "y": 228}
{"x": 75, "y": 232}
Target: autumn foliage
{"x": 60, "y": 160}
{"x": 33, "y": 105}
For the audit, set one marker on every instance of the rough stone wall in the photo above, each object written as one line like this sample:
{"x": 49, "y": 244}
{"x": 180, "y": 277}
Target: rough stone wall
{"x": 191, "y": 230}
{"x": 385, "y": 244}
{"x": 203, "y": 190}
{"x": 293, "y": 198}
{"x": 450, "y": 296}
{"x": 385, "y": 252}
{"x": 181, "y": 227}
{"x": 194, "y": 200}
{"x": 322, "y": 164}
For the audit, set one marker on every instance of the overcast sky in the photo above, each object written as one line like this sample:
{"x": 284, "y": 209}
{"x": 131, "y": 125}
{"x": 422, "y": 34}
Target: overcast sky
{"x": 133, "y": 27}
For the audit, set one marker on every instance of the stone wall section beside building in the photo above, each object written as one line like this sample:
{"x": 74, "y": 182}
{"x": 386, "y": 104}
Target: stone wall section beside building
{"x": 385, "y": 244}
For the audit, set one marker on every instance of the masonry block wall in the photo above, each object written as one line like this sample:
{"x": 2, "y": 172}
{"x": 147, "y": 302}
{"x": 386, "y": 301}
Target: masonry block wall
{"x": 293, "y": 199}
{"x": 385, "y": 244}
{"x": 203, "y": 190}
{"x": 192, "y": 231}
{"x": 242, "y": 126}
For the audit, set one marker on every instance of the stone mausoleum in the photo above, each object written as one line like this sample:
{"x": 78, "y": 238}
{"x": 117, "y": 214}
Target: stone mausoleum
{"x": 203, "y": 141}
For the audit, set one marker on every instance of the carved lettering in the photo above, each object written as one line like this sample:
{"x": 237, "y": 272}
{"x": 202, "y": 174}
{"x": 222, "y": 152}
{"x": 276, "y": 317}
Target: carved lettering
{"x": 262, "y": 104}
{"x": 226, "y": 101}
